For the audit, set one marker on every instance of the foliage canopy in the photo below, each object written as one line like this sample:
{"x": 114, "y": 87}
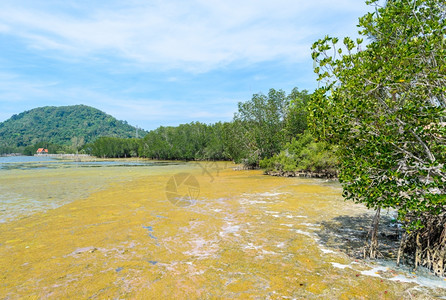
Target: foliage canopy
{"x": 59, "y": 125}
{"x": 384, "y": 104}
{"x": 263, "y": 125}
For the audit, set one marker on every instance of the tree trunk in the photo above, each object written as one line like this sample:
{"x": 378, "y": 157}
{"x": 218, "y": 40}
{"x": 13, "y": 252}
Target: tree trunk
{"x": 371, "y": 248}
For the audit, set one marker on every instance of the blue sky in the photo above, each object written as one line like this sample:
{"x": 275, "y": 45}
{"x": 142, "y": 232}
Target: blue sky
{"x": 156, "y": 63}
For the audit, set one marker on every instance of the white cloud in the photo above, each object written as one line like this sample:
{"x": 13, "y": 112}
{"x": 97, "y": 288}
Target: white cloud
{"x": 167, "y": 110}
{"x": 132, "y": 58}
{"x": 197, "y": 35}
{"x": 4, "y": 28}
{"x": 15, "y": 88}
{"x": 19, "y": 93}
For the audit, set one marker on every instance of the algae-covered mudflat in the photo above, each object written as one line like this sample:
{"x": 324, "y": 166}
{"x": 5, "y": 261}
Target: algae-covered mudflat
{"x": 183, "y": 231}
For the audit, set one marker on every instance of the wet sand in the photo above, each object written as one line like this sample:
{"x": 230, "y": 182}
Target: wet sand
{"x": 245, "y": 235}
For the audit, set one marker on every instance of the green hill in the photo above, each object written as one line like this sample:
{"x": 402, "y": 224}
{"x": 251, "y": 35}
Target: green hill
{"x": 58, "y": 125}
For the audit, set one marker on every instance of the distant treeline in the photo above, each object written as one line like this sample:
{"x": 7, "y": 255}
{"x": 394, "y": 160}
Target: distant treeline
{"x": 113, "y": 147}
{"x": 193, "y": 141}
{"x": 32, "y": 149}
{"x": 268, "y": 131}
{"x": 260, "y": 129}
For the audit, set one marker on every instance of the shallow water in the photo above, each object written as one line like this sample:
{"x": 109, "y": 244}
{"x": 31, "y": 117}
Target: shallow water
{"x": 30, "y": 184}
{"x": 24, "y": 159}
{"x": 47, "y": 162}
{"x": 153, "y": 232}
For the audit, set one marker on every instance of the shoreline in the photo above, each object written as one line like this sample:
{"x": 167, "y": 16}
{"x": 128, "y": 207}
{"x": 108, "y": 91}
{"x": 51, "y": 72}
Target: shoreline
{"x": 10, "y": 154}
{"x": 304, "y": 174}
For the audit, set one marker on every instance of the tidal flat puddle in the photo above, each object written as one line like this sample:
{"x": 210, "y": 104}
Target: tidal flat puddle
{"x": 245, "y": 235}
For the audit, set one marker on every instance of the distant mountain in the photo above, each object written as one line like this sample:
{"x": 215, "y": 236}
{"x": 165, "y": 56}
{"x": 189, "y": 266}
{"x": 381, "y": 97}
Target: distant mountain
{"x": 58, "y": 125}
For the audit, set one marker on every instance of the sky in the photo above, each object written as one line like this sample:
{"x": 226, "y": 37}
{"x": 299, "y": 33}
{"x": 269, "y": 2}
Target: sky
{"x": 161, "y": 63}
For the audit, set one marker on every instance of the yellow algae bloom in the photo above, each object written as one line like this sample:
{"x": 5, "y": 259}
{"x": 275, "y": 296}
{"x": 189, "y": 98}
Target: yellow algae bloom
{"x": 117, "y": 233}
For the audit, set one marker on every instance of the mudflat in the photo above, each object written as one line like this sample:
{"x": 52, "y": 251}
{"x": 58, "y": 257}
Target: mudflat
{"x": 185, "y": 231}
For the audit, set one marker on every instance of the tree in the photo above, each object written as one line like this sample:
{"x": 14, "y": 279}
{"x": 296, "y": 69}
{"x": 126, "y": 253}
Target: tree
{"x": 192, "y": 141}
{"x": 259, "y": 125}
{"x": 296, "y": 113}
{"x": 303, "y": 155}
{"x": 385, "y": 106}
{"x": 215, "y": 146}
{"x": 77, "y": 142}
{"x": 113, "y": 147}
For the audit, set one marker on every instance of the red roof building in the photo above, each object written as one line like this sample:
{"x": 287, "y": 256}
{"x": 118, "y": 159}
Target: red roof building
{"x": 42, "y": 151}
